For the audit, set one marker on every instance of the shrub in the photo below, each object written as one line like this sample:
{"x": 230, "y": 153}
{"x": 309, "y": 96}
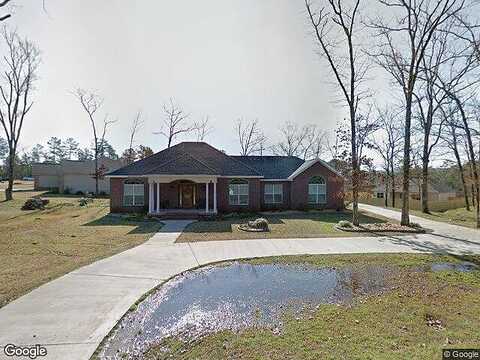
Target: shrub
{"x": 84, "y": 201}
{"x": 35, "y": 204}
{"x": 259, "y": 224}
{"x": 345, "y": 224}
{"x": 79, "y": 192}
{"x": 102, "y": 193}
{"x": 67, "y": 191}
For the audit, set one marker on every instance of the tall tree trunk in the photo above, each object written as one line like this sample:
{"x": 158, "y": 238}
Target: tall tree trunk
{"x": 10, "y": 175}
{"x": 424, "y": 192}
{"x": 425, "y": 161}
{"x": 96, "y": 167}
{"x": 387, "y": 188}
{"x": 355, "y": 166}
{"x": 472, "y": 192}
{"x": 471, "y": 149}
{"x": 393, "y": 184}
{"x": 462, "y": 175}
{"x": 386, "y": 194}
{"x": 405, "y": 220}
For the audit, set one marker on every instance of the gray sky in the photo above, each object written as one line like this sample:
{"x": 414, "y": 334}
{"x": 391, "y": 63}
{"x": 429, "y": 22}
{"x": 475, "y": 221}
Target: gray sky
{"x": 227, "y": 59}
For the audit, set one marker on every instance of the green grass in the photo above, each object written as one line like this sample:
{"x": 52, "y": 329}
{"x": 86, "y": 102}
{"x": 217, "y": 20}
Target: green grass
{"x": 460, "y": 216}
{"x": 40, "y": 245}
{"x": 390, "y": 325}
{"x": 286, "y": 225}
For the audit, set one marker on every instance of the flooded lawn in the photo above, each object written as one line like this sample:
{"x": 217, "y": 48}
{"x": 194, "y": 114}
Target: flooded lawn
{"x": 236, "y": 296}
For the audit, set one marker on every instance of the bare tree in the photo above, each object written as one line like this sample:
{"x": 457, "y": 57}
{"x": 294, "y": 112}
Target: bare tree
{"x": 450, "y": 137}
{"x": 136, "y": 125}
{"x": 250, "y": 137}
{"x": 406, "y": 37}
{"x": 335, "y": 33}
{"x": 19, "y": 75}
{"x": 306, "y": 141}
{"x": 8, "y": 3}
{"x": 175, "y": 122}
{"x": 388, "y": 147}
{"x": 129, "y": 154}
{"x": 313, "y": 142}
{"x": 291, "y": 142}
{"x": 263, "y": 145}
{"x": 203, "y": 128}
{"x": 91, "y": 103}
{"x": 467, "y": 128}
{"x": 456, "y": 79}
{"x": 3, "y": 4}
{"x": 429, "y": 99}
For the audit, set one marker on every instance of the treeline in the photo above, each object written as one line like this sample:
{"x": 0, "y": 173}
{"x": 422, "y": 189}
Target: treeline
{"x": 56, "y": 149}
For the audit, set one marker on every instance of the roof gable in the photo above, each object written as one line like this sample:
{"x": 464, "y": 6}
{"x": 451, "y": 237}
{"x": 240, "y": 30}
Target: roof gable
{"x": 307, "y": 164}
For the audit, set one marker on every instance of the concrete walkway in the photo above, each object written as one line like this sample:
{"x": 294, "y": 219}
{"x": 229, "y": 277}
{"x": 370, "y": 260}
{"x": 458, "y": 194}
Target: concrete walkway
{"x": 441, "y": 237}
{"x": 71, "y": 315}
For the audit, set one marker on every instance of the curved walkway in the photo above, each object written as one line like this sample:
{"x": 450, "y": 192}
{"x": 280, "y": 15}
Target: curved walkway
{"x": 72, "y": 314}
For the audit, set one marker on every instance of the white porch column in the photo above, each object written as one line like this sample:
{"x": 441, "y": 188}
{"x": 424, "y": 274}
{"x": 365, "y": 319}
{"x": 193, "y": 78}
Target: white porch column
{"x": 206, "y": 197}
{"x": 158, "y": 197}
{"x": 215, "y": 197}
{"x": 150, "y": 197}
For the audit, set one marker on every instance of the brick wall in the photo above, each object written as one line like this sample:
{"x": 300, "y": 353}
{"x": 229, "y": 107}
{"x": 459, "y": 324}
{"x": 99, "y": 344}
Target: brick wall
{"x": 116, "y": 196}
{"x": 295, "y": 194}
{"x": 286, "y": 196}
{"x": 254, "y": 196}
{"x": 299, "y": 188}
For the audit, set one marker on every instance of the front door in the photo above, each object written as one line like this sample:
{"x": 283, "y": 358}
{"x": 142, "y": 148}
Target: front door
{"x": 187, "y": 196}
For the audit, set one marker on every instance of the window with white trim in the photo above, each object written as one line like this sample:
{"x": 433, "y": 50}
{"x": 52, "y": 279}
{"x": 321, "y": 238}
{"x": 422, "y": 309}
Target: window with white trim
{"x": 133, "y": 194}
{"x": 238, "y": 192}
{"x": 380, "y": 195}
{"x": 317, "y": 190}
{"x": 273, "y": 193}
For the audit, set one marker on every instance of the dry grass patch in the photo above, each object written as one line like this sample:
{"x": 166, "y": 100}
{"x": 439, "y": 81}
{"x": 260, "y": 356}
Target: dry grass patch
{"x": 40, "y": 245}
{"x": 460, "y": 216}
{"x": 17, "y": 184}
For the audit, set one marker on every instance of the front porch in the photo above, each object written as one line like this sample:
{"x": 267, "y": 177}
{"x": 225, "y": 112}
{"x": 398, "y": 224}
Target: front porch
{"x": 182, "y": 195}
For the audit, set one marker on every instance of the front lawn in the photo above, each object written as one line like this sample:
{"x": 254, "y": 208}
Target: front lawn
{"x": 460, "y": 216}
{"x": 40, "y": 245}
{"x": 282, "y": 225}
{"x": 420, "y": 314}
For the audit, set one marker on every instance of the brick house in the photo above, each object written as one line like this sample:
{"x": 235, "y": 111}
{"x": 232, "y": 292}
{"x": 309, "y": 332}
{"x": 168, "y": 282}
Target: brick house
{"x": 195, "y": 177}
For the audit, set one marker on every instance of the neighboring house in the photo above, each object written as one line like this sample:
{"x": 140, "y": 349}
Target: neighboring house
{"x": 202, "y": 179}
{"x": 435, "y": 193}
{"x": 73, "y": 175}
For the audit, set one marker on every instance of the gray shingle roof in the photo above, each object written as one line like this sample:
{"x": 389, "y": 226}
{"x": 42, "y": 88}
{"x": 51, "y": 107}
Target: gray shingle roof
{"x": 188, "y": 158}
{"x": 272, "y": 167}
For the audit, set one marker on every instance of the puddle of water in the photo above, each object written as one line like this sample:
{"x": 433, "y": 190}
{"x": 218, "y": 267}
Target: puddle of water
{"x": 234, "y": 297}
{"x": 240, "y": 295}
{"x": 462, "y": 267}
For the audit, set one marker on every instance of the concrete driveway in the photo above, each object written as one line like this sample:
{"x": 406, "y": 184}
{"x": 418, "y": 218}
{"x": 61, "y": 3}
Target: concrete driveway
{"x": 72, "y": 314}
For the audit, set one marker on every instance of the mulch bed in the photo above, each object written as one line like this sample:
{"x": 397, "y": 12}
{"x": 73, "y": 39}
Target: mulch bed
{"x": 383, "y": 227}
{"x": 245, "y": 227}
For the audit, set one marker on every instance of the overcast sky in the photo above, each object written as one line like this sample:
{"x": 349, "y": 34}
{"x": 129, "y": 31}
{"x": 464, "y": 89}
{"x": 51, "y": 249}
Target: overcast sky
{"x": 225, "y": 59}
